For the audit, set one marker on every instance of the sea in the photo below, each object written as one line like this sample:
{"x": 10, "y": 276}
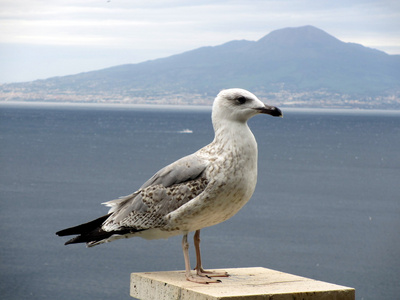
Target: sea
{"x": 326, "y": 205}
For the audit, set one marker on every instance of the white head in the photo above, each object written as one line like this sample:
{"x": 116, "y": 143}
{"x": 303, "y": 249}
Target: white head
{"x": 239, "y": 105}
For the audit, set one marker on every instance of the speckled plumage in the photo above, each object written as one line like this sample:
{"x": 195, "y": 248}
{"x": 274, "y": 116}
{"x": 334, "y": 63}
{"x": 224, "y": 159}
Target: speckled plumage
{"x": 156, "y": 201}
{"x": 197, "y": 191}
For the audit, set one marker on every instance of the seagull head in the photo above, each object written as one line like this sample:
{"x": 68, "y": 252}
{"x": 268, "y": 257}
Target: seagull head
{"x": 240, "y": 105}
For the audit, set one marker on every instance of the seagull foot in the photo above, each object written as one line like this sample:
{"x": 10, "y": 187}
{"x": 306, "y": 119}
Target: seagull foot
{"x": 202, "y": 280}
{"x": 203, "y": 273}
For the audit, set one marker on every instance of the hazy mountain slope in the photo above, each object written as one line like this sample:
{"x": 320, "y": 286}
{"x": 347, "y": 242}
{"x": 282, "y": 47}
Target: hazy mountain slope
{"x": 299, "y": 59}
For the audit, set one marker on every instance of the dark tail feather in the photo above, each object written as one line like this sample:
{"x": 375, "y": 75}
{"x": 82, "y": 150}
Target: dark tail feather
{"x": 83, "y": 228}
{"x": 93, "y": 236}
{"x": 87, "y": 232}
{"x": 91, "y": 232}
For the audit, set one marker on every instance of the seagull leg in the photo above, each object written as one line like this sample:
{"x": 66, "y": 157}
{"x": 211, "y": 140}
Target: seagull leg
{"x": 189, "y": 276}
{"x": 199, "y": 267}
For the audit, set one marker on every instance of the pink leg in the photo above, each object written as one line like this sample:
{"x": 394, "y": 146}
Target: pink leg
{"x": 199, "y": 267}
{"x": 189, "y": 276}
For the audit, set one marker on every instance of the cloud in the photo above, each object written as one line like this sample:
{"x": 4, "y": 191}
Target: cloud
{"x": 122, "y": 23}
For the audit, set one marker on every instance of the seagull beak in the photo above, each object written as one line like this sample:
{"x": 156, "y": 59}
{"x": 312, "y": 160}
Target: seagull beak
{"x": 270, "y": 110}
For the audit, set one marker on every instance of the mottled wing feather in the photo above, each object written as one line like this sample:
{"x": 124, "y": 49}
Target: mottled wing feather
{"x": 159, "y": 201}
{"x": 165, "y": 191}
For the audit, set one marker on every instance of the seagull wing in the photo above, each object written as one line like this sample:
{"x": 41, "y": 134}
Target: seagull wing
{"x": 165, "y": 191}
{"x": 185, "y": 169}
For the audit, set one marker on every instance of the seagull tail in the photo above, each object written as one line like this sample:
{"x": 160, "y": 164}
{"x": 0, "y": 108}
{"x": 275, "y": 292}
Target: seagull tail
{"x": 92, "y": 234}
{"x": 87, "y": 232}
{"x": 83, "y": 228}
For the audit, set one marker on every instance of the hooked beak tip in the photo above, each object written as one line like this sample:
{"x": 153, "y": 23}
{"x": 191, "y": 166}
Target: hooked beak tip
{"x": 271, "y": 110}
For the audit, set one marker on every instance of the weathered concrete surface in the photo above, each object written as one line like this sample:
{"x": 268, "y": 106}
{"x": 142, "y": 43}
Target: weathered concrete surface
{"x": 243, "y": 284}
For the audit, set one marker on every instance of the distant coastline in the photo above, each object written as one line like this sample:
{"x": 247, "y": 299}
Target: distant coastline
{"x": 311, "y": 99}
{"x": 191, "y": 107}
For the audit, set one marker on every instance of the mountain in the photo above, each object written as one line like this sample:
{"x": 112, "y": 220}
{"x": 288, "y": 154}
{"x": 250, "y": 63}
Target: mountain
{"x": 301, "y": 66}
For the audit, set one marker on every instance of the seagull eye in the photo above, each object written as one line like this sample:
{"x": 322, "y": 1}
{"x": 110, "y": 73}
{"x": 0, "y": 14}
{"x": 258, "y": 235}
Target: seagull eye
{"x": 241, "y": 99}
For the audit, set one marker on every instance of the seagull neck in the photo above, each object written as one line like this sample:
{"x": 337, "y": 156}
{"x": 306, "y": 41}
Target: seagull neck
{"x": 229, "y": 131}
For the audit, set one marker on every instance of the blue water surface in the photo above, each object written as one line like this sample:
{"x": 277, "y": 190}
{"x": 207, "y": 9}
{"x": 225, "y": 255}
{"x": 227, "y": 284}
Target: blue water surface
{"x": 326, "y": 206}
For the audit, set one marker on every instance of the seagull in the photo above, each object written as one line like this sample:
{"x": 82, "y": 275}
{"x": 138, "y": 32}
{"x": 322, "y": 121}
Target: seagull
{"x": 197, "y": 191}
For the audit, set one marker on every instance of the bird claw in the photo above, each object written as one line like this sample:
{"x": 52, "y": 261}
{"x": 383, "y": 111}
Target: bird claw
{"x": 202, "y": 279}
{"x": 203, "y": 273}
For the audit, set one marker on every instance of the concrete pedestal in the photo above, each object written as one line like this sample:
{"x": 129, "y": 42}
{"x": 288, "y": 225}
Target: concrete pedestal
{"x": 243, "y": 284}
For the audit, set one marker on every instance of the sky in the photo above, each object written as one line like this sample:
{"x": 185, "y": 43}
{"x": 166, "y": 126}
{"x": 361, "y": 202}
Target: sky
{"x": 45, "y": 38}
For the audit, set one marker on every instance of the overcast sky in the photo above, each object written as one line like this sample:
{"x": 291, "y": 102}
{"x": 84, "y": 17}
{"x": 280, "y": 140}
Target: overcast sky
{"x": 45, "y": 38}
